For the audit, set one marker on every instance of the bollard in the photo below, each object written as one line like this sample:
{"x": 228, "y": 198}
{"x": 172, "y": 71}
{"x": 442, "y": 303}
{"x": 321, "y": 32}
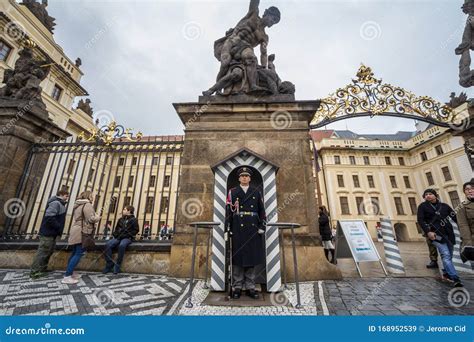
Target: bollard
{"x": 392, "y": 252}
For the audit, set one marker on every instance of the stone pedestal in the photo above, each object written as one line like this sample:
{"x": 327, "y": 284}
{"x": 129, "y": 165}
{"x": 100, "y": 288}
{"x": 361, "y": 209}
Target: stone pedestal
{"x": 465, "y": 128}
{"x": 277, "y": 130}
{"x": 22, "y": 124}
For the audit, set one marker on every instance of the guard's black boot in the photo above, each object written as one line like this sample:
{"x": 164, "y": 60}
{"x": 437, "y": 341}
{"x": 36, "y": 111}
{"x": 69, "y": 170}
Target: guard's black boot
{"x": 326, "y": 253}
{"x": 432, "y": 264}
{"x": 253, "y": 294}
{"x": 236, "y": 294}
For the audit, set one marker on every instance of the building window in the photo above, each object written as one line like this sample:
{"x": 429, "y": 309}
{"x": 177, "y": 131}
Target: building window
{"x": 439, "y": 150}
{"x": 155, "y": 161}
{"x": 152, "y": 181}
{"x": 127, "y": 200}
{"x": 130, "y": 181}
{"x": 429, "y": 178}
{"x": 399, "y": 205}
{"x": 337, "y": 160}
{"x": 360, "y": 205}
{"x": 352, "y": 160}
{"x": 5, "y": 50}
{"x": 121, "y": 161}
{"x": 446, "y": 174}
{"x": 375, "y": 206}
{"x": 393, "y": 181}
{"x": 344, "y": 206}
{"x": 90, "y": 176}
{"x": 340, "y": 181}
{"x": 164, "y": 205}
{"x": 113, "y": 205}
{"x": 423, "y": 156}
{"x": 134, "y": 161}
{"x": 71, "y": 167}
{"x": 413, "y": 206}
{"x": 355, "y": 179}
{"x": 388, "y": 161}
{"x": 149, "y": 204}
{"x": 166, "y": 181}
{"x": 406, "y": 179}
{"x": 401, "y": 161}
{"x": 454, "y": 197}
{"x": 366, "y": 160}
{"x": 370, "y": 179}
{"x": 169, "y": 160}
{"x": 56, "y": 94}
{"x": 118, "y": 179}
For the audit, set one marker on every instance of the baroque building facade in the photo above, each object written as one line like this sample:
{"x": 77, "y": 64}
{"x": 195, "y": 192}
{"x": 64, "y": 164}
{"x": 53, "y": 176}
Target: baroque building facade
{"x": 21, "y": 21}
{"x": 372, "y": 176}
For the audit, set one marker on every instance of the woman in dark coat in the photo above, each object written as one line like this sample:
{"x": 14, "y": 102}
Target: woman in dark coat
{"x": 326, "y": 234}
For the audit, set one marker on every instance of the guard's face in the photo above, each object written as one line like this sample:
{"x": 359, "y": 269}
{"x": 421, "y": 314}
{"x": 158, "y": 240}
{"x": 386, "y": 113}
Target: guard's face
{"x": 469, "y": 191}
{"x": 244, "y": 180}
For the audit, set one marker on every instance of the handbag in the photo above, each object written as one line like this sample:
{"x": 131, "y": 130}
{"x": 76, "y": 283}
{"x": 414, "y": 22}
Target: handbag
{"x": 467, "y": 253}
{"x": 88, "y": 242}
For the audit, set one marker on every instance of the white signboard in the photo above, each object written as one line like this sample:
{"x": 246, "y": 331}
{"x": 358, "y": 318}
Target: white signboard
{"x": 359, "y": 240}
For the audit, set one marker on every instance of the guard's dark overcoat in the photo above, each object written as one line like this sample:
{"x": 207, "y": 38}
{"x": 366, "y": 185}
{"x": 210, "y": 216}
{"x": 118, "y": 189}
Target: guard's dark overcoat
{"x": 247, "y": 244}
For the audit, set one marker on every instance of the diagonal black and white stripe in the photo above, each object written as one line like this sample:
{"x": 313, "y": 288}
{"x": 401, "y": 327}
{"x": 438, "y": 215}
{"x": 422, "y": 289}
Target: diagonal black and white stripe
{"x": 268, "y": 173}
{"x": 392, "y": 252}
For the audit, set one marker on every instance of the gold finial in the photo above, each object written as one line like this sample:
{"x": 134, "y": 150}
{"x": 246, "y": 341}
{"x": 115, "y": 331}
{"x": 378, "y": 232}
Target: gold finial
{"x": 365, "y": 75}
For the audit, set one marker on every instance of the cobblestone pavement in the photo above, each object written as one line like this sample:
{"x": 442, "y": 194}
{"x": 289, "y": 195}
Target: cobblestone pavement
{"x": 131, "y": 294}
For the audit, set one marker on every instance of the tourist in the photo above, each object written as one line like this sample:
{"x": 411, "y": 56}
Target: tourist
{"x": 123, "y": 235}
{"x": 433, "y": 217}
{"x": 326, "y": 234}
{"x": 84, "y": 220}
{"x": 465, "y": 219}
{"x": 51, "y": 228}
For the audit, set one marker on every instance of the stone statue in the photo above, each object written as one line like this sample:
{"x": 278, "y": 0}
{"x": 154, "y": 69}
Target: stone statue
{"x": 40, "y": 12}
{"x": 466, "y": 75}
{"x": 239, "y": 71}
{"x": 85, "y": 106}
{"x": 456, "y": 101}
{"x": 23, "y": 82}
{"x": 78, "y": 62}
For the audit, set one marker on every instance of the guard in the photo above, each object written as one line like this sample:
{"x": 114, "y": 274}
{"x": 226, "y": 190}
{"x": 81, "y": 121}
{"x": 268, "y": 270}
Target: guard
{"x": 245, "y": 216}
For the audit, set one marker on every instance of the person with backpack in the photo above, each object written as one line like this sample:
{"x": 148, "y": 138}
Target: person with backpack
{"x": 52, "y": 227}
{"x": 84, "y": 220}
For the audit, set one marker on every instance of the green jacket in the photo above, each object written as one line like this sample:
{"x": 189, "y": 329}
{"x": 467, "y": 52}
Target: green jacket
{"x": 465, "y": 218}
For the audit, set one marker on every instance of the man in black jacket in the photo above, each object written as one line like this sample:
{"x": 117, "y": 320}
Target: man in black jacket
{"x": 434, "y": 218}
{"x": 124, "y": 234}
{"x": 52, "y": 226}
{"x": 245, "y": 215}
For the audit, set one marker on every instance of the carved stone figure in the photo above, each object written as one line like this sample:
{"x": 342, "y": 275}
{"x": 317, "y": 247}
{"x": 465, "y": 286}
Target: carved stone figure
{"x": 40, "y": 12}
{"x": 466, "y": 75}
{"x": 240, "y": 72}
{"x": 456, "y": 101}
{"x": 78, "y": 62}
{"x": 85, "y": 106}
{"x": 23, "y": 82}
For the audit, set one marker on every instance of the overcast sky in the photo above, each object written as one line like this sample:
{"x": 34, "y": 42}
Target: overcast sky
{"x": 139, "y": 57}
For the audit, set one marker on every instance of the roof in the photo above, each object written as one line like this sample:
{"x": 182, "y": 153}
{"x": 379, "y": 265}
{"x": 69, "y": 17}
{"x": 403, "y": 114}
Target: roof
{"x": 319, "y": 135}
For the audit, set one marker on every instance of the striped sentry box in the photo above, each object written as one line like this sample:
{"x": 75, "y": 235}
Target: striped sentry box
{"x": 393, "y": 258}
{"x": 458, "y": 264}
{"x": 268, "y": 172}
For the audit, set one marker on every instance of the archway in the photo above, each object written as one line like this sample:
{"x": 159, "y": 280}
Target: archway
{"x": 401, "y": 232}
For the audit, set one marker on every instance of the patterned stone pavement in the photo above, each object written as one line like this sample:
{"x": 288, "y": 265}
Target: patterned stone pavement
{"x": 131, "y": 294}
